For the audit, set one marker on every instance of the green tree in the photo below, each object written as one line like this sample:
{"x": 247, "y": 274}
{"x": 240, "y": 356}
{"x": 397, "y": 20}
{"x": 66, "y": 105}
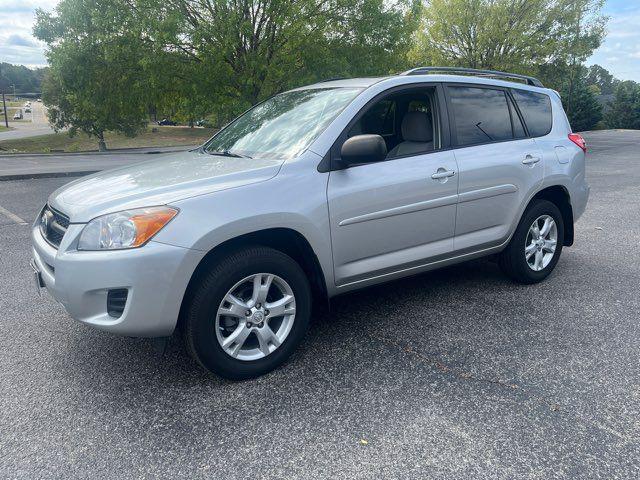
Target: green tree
{"x": 494, "y": 34}
{"x": 96, "y": 81}
{"x": 582, "y": 106}
{"x": 600, "y": 76}
{"x": 513, "y": 35}
{"x": 26, "y": 80}
{"x": 585, "y": 28}
{"x": 247, "y": 50}
{"x": 624, "y": 111}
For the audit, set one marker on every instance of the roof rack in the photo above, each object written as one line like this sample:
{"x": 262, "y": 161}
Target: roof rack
{"x": 534, "y": 82}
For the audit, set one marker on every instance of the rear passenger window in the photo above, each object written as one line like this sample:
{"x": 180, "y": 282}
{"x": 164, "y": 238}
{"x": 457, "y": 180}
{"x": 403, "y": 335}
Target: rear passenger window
{"x": 480, "y": 115}
{"x": 536, "y": 110}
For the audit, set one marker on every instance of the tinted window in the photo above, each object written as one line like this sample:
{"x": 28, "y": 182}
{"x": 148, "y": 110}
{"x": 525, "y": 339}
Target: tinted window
{"x": 380, "y": 119}
{"x": 419, "y": 106}
{"x": 481, "y": 115}
{"x": 536, "y": 110}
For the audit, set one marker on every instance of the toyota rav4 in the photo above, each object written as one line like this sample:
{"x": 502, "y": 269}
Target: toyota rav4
{"x": 315, "y": 192}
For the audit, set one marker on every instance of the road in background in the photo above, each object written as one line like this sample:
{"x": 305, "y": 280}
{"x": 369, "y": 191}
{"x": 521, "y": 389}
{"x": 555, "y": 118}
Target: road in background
{"x": 32, "y": 125}
{"x": 454, "y": 374}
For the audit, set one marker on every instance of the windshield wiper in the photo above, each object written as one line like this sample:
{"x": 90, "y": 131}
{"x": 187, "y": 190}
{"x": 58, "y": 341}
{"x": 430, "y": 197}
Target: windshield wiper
{"x": 228, "y": 153}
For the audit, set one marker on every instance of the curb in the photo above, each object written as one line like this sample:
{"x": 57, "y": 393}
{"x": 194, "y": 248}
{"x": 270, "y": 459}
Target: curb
{"x": 34, "y": 176}
{"x": 135, "y": 151}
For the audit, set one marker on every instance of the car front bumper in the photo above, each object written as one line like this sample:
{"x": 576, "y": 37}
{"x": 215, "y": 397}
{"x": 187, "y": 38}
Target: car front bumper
{"x": 155, "y": 276}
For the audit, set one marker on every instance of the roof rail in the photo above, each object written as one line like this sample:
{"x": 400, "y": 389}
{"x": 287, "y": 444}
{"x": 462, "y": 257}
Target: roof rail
{"x": 534, "y": 82}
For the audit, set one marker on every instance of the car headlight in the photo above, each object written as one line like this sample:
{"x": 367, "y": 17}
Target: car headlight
{"x": 128, "y": 229}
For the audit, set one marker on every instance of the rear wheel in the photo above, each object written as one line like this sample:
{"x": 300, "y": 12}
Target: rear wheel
{"x": 535, "y": 247}
{"x": 249, "y": 313}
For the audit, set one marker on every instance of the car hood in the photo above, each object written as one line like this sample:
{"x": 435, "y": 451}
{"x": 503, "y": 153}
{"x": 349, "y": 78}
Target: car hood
{"x": 166, "y": 179}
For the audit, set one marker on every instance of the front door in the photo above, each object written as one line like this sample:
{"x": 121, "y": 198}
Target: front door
{"x": 391, "y": 215}
{"x": 396, "y": 214}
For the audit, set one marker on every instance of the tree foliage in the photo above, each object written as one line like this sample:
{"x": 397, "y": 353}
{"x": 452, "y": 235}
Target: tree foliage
{"x": 24, "y": 79}
{"x": 248, "y": 50}
{"x": 96, "y": 80}
{"x": 115, "y": 61}
{"x": 111, "y": 60}
{"x": 600, "y": 76}
{"x": 582, "y": 106}
{"x": 512, "y": 35}
{"x": 624, "y": 111}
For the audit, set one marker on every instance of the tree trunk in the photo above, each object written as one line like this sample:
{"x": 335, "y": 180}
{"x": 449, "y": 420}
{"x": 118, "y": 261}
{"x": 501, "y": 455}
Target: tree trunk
{"x": 102, "y": 146}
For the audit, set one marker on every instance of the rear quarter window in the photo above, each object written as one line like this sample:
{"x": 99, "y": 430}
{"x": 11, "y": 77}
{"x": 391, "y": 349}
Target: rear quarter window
{"x": 536, "y": 111}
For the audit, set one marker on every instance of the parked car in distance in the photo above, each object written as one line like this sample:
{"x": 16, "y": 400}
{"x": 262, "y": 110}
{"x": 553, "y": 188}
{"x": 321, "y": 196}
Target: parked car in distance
{"x": 166, "y": 121}
{"x": 203, "y": 123}
{"x": 17, "y": 115}
{"x": 317, "y": 191}
{"x": 27, "y": 110}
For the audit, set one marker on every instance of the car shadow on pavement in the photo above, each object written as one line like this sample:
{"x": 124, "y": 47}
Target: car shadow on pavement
{"x": 424, "y": 306}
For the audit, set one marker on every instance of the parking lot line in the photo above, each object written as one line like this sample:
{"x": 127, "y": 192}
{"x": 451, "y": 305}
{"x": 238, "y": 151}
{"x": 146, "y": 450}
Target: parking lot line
{"x": 12, "y": 216}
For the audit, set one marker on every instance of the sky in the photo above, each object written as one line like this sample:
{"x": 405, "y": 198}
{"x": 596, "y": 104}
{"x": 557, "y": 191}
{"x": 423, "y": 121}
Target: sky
{"x": 619, "y": 53}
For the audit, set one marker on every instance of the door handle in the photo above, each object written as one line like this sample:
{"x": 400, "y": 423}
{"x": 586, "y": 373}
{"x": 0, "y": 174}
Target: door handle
{"x": 530, "y": 160}
{"x": 442, "y": 173}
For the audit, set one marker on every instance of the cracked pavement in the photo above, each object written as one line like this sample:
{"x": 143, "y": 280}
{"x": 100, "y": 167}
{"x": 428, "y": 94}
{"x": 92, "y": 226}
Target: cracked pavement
{"x": 457, "y": 373}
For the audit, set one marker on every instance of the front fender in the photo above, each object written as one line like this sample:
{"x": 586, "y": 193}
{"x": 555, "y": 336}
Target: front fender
{"x": 295, "y": 199}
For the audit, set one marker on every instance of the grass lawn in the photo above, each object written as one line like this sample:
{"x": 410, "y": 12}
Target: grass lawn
{"x": 3, "y": 128}
{"x": 61, "y": 142}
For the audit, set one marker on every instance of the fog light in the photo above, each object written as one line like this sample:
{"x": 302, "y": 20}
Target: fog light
{"x": 116, "y": 301}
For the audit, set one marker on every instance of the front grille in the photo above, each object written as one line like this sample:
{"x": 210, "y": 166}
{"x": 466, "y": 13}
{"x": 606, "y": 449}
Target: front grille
{"x": 116, "y": 301}
{"x": 53, "y": 225}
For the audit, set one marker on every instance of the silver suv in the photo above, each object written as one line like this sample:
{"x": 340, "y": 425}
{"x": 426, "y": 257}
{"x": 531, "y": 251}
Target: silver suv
{"x": 315, "y": 192}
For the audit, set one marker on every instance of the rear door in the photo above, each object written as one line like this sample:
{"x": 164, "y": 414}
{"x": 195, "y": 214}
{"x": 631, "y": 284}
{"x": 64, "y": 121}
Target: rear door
{"x": 499, "y": 166}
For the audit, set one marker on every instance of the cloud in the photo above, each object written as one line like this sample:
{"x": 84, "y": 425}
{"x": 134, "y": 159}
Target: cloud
{"x": 16, "y": 40}
{"x": 620, "y": 50}
{"x": 17, "y": 44}
{"x": 26, "y": 6}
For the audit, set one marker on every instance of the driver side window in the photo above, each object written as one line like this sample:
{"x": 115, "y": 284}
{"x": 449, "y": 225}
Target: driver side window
{"x": 405, "y": 120}
{"x": 379, "y": 119}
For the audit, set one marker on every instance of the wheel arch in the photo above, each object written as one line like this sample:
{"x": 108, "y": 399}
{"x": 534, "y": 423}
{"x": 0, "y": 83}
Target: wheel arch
{"x": 285, "y": 240}
{"x": 558, "y": 195}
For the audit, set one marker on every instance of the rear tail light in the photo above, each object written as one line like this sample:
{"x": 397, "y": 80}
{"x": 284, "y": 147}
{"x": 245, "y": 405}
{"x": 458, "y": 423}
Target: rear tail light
{"x": 579, "y": 141}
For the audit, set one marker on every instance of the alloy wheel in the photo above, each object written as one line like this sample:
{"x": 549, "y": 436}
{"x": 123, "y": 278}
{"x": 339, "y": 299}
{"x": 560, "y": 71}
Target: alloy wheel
{"x": 541, "y": 241}
{"x": 255, "y": 316}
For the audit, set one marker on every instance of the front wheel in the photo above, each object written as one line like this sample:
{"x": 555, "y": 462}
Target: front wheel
{"x": 535, "y": 247}
{"x": 248, "y": 314}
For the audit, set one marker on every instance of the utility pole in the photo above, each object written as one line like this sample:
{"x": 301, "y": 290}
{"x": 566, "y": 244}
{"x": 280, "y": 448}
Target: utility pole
{"x": 4, "y": 106}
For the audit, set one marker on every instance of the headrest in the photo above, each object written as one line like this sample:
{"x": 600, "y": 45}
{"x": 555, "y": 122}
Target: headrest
{"x": 416, "y": 127}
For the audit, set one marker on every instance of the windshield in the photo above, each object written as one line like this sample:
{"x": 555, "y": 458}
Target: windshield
{"x": 282, "y": 126}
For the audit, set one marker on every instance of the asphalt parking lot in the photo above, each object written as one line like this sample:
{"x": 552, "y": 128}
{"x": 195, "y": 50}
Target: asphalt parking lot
{"x": 458, "y": 373}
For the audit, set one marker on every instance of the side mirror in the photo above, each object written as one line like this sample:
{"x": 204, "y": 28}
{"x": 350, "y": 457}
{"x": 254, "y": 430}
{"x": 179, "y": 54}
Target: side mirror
{"x": 362, "y": 149}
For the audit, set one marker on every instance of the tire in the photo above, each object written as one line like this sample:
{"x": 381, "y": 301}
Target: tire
{"x": 513, "y": 259}
{"x": 206, "y": 329}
